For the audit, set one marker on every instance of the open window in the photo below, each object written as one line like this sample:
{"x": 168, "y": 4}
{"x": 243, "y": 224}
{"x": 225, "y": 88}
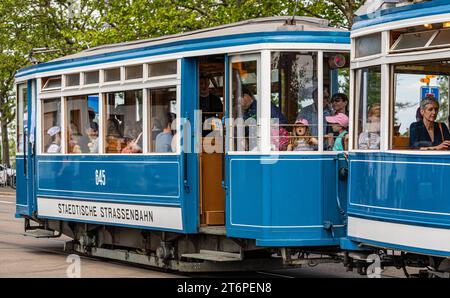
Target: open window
{"x": 51, "y": 83}
{"x": 412, "y": 83}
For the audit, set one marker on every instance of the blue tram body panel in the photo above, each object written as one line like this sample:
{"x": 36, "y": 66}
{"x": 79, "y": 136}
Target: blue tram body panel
{"x": 284, "y": 201}
{"x": 404, "y": 191}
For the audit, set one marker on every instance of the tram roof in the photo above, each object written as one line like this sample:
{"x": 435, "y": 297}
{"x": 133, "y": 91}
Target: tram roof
{"x": 405, "y": 12}
{"x": 262, "y": 30}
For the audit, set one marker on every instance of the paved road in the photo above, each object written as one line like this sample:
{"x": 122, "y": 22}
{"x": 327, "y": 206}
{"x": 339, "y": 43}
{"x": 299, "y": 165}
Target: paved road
{"x": 22, "y": 256}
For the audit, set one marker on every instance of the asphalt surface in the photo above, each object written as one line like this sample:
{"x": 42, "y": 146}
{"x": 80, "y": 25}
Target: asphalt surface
{"x": 22, "y": 256}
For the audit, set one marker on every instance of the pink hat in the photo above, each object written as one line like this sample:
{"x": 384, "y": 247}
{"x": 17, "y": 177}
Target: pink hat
{"x": 302, "y": 121}
{"x": 339, "y": 118}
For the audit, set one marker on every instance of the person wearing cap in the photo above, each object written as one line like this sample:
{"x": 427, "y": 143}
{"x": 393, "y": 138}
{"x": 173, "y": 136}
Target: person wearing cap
{"x": 428, "y": 134}
{"x": 339, "y": 124}
{"x": 55, "y": 145}
{"x": 302, "y": 139}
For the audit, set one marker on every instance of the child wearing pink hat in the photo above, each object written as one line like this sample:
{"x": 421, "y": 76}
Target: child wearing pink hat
{"x": 302, "y": 139}
{"x": 339, "y": 124}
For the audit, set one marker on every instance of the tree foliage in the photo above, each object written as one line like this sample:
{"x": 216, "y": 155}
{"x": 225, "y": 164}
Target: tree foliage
{"x": 67, "y": 26}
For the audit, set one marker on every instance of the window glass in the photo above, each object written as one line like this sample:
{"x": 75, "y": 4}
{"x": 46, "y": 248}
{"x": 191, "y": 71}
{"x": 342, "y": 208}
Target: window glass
{"x": 162, "y": 69}
{"x": 413, "y": 40}
{"x": 294, "y": 96}
{"x": 73, "y": 80}
{"x": 443, "y": 38}
{"x": 336, "y": 80}
{"x": 22, "y": 115}
{"x": 368, "y": 108}
{"x": 91, "y": 77}
{"x": 123, "y": 122}
{"x": 163, "y": 110}
{"x": 245, "y": 99}
{"x": 133, "y": 72}
{"x": 82, "y": 124}
{"x": 51, "y": 83}
{"x": 421, "y": 98}
{"x": 112, "y": 74}
{"x": 51, "y": 126}
{"x": 368, "y": 45}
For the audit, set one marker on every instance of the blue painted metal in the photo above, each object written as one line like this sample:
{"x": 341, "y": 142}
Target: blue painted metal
{"x": 190, "y": 162}
{"x": 193, "y": 45}
{"x": 284, "y": 201}
{"x": 418, "y": 10}
{"x": 402, "y": 188}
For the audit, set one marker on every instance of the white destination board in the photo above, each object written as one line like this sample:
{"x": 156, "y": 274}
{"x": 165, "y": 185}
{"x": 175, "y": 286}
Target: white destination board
{"x": 115, "y": 213}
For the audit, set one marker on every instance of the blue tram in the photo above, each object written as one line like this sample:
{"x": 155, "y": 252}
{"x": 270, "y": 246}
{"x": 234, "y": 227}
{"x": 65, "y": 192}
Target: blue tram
{"x": 207, "y": 150}
{"x": 398, "y": 163}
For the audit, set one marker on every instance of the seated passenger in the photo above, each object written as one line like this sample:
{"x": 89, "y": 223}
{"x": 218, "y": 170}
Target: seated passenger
{"x": 55, "y": 145}
{"x": 302, "y": 140}
{"x": 429, "y": 134}
{"x": 92, "y": 133}
{"x": 369, "y": 139}
{"x": 164, "y": 139}
{"x": 114, "y": 141}
{"x": 339, "y": 124}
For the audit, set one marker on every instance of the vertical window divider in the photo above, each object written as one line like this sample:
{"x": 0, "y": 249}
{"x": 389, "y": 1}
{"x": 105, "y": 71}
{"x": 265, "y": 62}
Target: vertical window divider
{"x": 385, "y": 111}
{"x": 351, "y": 113}
{"x": 145, "y": 72}
{"x": 38, "y": 118}
{"x": 81, "y": 79}
{"x": 265, "y": 85}
{"x": 320, "y": 100}
{"x": 122, "y": 75}
{"x": 180, "y": 133}
{"x": 101, "y": 77}
{"x": 145, "y": 122}
{"x": 102, "y": 123}
{"x": 63, "y": 126}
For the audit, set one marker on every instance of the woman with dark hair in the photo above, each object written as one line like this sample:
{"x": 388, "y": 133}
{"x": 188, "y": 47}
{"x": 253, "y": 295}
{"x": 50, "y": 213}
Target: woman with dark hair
{"x": 429, "y": 134}
{"x": 339, "y": 102}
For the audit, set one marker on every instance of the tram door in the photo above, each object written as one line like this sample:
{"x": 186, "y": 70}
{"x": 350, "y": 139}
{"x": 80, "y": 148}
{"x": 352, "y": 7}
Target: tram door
{"x": 211, "y": 160}
{"x": 24, "y": 205}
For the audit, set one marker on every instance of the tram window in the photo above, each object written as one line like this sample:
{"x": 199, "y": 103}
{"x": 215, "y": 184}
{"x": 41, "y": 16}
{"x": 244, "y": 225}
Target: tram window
{"x": 51, "y": 126}
{"x": 412, "y": 83}
{"x": 368, "y": 45}
{"x": 368, "y": 108}
{"x": 412, "y": 40}
{"x": 51, "y": 83}
{"x": 91, "y": 77}
{"x": 336, "y": 80}
{"x": 294, "y": 96}
{"x": 162, "y": 69}
{"x": 22, "y": 114}
{"x": 73, "y": 80}
{"x": 123, "y": 122}
{"x": 82, "y": 124}
{"x": 244, "y": 101}
{"x": 443, "y": 38}
{"x": 112, "y": 75}
{"x": 162, "y": 127}
{"x": 133, "y": 72}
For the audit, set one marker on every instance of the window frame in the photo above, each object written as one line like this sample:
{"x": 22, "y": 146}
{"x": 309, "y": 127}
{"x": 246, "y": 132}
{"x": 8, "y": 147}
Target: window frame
{"x": 19, "y": 92}
{"x": 247, "y": 57}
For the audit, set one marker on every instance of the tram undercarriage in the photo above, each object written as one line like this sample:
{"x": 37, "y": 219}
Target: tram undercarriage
{"x": 208, "y": 251}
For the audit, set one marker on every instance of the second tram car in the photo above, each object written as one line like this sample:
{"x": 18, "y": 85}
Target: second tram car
{"x": 206, "y": 150}
{"x": 399, "y": 161}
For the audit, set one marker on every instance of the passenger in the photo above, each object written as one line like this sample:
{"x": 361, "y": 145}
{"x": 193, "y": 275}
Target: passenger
{"x": 164, "y": 139}
{"x": 210, "y": 104}
{"x": 132, "y": 146}
{"x": 339, "y": 124}
{"x": 114, "y": 142}
{"x": 55, "y": 145}
{"x": 92, "y": 133}
{"x": 302, "y": 139}
{"x": 429, "y": 134}
{"x": 311, "y": 114}
{"x": 74, "y": 138}
{"x": 339, "y": 103}
{"x": 156, "y": 127}
{"x": 370, "y": 138}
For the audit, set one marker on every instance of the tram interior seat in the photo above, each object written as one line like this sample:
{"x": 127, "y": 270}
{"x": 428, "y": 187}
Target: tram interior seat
{"x": 400, "y": 143}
